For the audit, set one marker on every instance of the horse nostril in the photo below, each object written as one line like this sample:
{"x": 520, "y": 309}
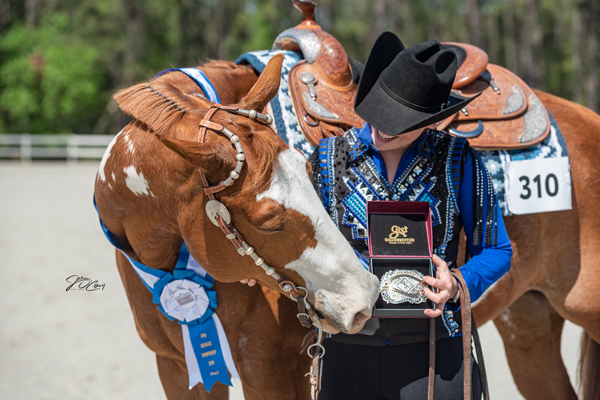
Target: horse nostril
{"x": 359, "y": 319}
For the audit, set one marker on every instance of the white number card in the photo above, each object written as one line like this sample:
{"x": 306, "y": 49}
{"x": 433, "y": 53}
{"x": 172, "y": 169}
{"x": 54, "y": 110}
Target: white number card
{"x": 539, "y": 185}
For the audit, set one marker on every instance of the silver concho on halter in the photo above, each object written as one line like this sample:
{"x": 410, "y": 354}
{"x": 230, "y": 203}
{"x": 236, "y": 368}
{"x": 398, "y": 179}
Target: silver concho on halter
{"x": 403, "y": 286}
{"x": 214, "y": 209}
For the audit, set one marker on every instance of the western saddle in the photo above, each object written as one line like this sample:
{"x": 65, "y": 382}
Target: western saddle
{"x": 508, "y": 115}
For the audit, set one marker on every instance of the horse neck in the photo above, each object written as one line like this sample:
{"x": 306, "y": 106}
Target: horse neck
{"x": 231, "y": 81}
{"x": 140, "y": 182}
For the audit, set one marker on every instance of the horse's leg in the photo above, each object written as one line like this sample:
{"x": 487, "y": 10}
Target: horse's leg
{"x": 265, "y": 339}
{"x": 174, "y": 378}
{"x": 589, "y": 368}
{"x": 531, "y": 330}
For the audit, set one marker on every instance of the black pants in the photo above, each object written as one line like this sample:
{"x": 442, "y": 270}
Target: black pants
{"x": 394, "y": 372}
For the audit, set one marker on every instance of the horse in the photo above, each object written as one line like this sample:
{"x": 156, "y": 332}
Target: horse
{"x": 149, "y": 194}
{"x": 554, "y": 273}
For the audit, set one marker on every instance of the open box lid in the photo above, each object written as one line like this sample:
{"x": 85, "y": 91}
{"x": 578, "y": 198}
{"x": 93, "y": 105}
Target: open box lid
{"x": 399, "y": 229}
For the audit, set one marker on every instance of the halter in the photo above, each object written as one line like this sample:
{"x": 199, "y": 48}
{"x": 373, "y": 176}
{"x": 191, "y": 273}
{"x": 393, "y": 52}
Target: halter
{"x": 219, "y": 215}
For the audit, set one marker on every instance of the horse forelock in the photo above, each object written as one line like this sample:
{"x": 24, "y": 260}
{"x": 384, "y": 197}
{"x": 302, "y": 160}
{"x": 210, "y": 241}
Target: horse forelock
{"x": 266, "y": 152}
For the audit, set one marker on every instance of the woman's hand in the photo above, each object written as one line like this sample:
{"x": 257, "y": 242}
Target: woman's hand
{"x": 249, "y": 281}
{"x": 446, "y": 285}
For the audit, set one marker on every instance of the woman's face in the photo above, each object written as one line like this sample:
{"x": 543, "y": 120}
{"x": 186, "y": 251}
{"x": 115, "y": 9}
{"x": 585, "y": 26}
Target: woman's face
{"x": 383, "y": 142}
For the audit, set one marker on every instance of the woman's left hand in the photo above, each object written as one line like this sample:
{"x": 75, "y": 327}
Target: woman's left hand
{"x": 446, "y": 285}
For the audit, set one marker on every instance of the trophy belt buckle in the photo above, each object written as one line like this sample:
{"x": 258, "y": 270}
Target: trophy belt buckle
{"x": 403, "y": 286}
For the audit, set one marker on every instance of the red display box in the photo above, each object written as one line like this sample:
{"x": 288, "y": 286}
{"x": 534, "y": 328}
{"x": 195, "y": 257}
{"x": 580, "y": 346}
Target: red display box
{"x": 400, "y": 244}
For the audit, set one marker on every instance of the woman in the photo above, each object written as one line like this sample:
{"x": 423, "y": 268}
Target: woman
{"x": 398, "y": 155}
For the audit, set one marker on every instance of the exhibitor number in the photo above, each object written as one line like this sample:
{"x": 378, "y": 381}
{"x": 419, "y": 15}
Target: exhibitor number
{"x": 550, "y": 186}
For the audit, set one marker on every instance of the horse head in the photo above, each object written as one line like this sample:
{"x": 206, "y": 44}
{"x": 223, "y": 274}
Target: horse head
{"x": 272, "y": 203}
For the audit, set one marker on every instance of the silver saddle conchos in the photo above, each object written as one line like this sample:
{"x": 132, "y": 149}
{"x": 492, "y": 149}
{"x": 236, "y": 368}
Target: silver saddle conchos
{"x": 403, "y": 286}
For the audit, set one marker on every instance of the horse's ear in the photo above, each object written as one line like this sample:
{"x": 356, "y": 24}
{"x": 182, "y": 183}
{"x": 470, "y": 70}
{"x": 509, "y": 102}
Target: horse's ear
{"x": 209, "y": 157}
{"x": 266, "y": 87}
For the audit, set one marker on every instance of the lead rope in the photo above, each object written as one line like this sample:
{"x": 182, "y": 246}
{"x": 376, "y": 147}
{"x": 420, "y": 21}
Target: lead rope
{"x": 219, "y": 215}
{"x": 431, "y": 383}
{"x": 468, "y": 328}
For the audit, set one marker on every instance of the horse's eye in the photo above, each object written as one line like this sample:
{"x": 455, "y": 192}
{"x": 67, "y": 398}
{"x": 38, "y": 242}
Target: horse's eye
{"x": 269, "y": 217}
{"x": 270, "y": 230}
{"x": 276, "y": 224}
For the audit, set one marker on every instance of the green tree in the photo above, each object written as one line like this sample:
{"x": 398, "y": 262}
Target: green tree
{"x": 48, "y": 81}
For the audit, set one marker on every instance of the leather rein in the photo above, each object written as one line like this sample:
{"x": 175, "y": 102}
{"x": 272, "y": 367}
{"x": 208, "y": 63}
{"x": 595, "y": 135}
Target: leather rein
{"x": 219, "y": 215}
{"x": 468, "y": 329}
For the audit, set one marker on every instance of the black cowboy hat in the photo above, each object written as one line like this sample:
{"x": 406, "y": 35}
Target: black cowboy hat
{"x": 402, "y": 90}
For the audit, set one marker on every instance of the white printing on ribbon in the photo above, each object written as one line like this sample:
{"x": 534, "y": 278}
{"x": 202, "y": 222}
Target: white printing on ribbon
{"x": 538, "y": 185}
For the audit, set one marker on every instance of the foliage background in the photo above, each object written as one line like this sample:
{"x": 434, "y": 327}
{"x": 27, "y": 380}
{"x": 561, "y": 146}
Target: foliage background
{"x": 61, "y": 60}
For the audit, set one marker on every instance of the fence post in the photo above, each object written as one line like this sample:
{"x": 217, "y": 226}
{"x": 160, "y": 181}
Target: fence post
{"x": 72, "y": 149}
{"x": 25, "y": 148}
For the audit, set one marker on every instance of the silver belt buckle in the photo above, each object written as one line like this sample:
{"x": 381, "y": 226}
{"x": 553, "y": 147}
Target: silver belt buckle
{"x": 403, "y": 286}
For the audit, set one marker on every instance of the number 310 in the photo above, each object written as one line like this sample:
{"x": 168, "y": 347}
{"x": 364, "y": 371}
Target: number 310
{"x": 525, "y": 181}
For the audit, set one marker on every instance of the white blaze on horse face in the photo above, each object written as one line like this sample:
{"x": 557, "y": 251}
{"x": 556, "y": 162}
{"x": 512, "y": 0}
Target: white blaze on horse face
{"x": 341, "y": 285}
{"x": 101, "y": 174}
{"x": 136, "y": 182}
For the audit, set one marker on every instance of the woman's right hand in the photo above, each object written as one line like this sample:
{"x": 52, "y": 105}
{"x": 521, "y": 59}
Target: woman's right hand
{"x": 249, "y": 281}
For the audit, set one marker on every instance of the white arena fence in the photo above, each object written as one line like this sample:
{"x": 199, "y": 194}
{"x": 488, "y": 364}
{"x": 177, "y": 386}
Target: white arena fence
{"x": 71, "y": 147}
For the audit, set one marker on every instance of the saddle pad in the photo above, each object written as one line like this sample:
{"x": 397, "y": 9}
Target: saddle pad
{"x": 281, "y": 107}
{"x": 553, "y": 146}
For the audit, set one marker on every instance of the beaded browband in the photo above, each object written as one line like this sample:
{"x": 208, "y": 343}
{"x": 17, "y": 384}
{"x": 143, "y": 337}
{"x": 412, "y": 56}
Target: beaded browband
{"x": 219, "y": 215}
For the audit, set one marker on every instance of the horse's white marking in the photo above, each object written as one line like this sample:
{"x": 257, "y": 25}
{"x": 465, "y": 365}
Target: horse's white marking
{"x": 105, "y": 157}
{"x": 113, "y": 176}
{"x": 136, "y": 182}
{"x": 331, "y": 269}
{"x": 129, "y": 143}
{"x": 506, "y": 318}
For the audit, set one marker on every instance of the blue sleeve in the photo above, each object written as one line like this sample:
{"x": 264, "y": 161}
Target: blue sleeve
{"x": 489, "y": 259}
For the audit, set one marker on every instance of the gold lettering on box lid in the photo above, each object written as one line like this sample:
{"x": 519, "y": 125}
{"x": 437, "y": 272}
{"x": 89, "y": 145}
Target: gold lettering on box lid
{"x": 394, "y": 238}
